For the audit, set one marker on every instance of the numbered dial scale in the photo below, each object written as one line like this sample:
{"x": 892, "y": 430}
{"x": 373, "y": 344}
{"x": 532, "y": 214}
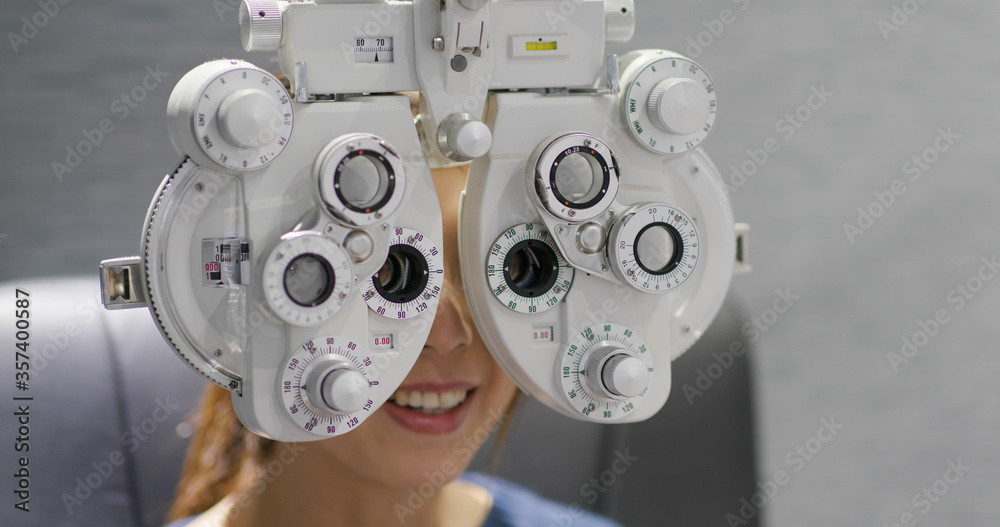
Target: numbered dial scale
{"x": 239, "y": 115}
{"x": 411, "y": 279}
{"x": 604, "y": 372}
{"x": 655, "y": 247}
{"x": 670, "y": 104}
{"x": 526, "y": 271}
{"x": 372, "y": 50}
{"x": 328, "y": 386}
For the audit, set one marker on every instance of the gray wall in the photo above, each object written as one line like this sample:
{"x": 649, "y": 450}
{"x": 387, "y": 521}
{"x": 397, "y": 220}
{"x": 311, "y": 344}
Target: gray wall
{"x": 824, "y": 357}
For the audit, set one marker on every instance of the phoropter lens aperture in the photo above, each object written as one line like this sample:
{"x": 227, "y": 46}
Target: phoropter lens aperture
{"x": 580, "y": 177}
{"x": 309, "y": 280}
{"x": 531, "y": 268}
{"x": 364, "y": 181}
{"x": 404, "y": 275}
{"x": 658, "y": 248}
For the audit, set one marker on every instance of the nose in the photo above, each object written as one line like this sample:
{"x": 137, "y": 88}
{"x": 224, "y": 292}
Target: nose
{"x": 450, "y": 331}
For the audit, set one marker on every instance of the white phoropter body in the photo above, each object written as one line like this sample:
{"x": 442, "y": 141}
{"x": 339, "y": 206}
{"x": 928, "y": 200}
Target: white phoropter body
{"x": 312, "y": 221}
{"x": 649, "y": 233}
{"x": 290, "y": 253}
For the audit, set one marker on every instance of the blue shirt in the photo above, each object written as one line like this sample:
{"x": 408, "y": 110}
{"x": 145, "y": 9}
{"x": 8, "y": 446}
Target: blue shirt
{"x": 516, "y": 506}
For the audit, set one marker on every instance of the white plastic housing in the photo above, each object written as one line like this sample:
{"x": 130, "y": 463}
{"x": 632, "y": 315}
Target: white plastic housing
{"x": 496, "y": 198}
{"x": 230, "y": 334}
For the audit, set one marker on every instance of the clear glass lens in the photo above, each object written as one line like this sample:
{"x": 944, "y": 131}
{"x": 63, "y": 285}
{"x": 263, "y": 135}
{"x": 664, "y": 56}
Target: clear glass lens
{"x": 655, "y": 248}
{"x": 309, "y": 280}
{"x": 579, "y": 178}
{"x": 363, "y": 181}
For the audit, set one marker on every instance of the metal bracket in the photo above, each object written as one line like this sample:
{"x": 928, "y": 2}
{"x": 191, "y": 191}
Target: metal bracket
{"x": 120, "y": 283}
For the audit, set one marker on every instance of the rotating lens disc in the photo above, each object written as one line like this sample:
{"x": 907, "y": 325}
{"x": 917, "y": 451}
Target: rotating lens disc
{"x": 526, "y": 271}
{"x": 654, "y": 248}
{"x": 411, "y": 278}
{"x": 361, "y": 179}
{"x": 307, "y": 279}
{"x": 575, "y": 176}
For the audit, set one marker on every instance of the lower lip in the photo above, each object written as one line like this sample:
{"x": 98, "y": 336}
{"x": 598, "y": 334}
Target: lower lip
{"x": 422, "y": 423}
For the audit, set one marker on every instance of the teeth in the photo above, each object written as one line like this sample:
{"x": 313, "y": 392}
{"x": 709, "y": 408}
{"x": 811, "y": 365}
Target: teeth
{"x": 433, "y": 402}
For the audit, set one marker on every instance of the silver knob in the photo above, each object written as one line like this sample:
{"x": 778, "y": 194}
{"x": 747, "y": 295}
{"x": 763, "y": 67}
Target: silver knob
{"x": 260, "y": 25}
{"x": 679, "y": 105}
{"x": 462, "y": 137}
{"x": 616, "y": 373}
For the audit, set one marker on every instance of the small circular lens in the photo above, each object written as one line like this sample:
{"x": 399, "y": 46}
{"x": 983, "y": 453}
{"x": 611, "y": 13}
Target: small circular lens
{"x": 658, "y": 248}
{"x": 404, "y": 275}
{"x": 309, "y": 280}
{"x": 531, "y": 268}
{"x": 579, "y": 178}
{"x": 364, "y": 181}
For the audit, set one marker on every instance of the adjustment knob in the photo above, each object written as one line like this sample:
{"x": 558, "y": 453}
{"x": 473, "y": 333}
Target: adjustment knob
{"x": 678, "y": 105}
{"x": 625, "y": 375}
{"x": 244, "y": 115}
{"x": 617, "y": 373}
{"x": 260, "y": 25}
{"x": 462, "y": 137}
{"x": 340, "y": 388}
{"x": 619, "y": 20}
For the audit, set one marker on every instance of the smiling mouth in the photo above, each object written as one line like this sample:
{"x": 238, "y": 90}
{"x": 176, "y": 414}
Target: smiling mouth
{"x": 430, "y": 402}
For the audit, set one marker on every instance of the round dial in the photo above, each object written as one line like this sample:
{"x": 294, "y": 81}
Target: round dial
{"x": 670, "y": 104}
{"x": 526, "y": 271}
{"x": 575, "y": 176}
{"x": 411, "y": 278}
{"x": 307, "y": 279}
{"x": 328, "y": 386}
{"x": 605, "y": 371}
{"x": 361, "y": 179}
{"x": 654, "y": 247}
{"x": 243, "y": 118}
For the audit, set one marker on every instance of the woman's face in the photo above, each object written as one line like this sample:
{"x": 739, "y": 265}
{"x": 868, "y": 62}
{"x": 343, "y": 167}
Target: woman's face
{"x": 452, "y": 398}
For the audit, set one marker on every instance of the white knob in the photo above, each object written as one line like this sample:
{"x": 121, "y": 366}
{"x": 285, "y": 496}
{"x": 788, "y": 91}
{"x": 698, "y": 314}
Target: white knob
{"x": 341, "y": 389}
{"x": 474, "y": 4}
{"x": 625, "y": 376}
{"x": 679, "y": 106}
{"x": 463, "y": 137}
{"x": 619, "y": 20}
{"x": 244, "y": 114}
{"x": 260, "y": 25}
